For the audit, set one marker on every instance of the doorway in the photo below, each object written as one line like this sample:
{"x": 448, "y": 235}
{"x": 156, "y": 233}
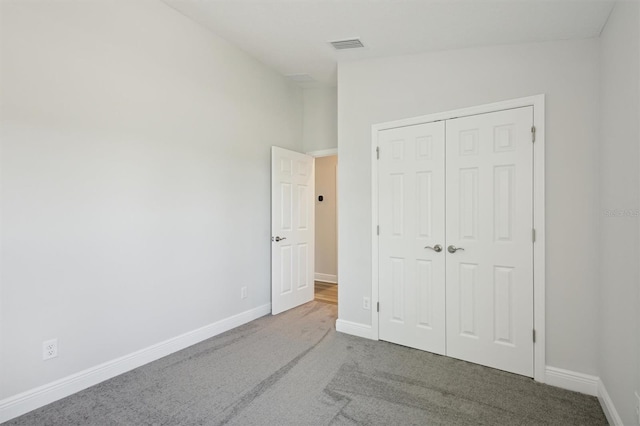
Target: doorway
{"x": 294, "y": 202}
{"x": 326, "y": 229}
{"x": 292, "y": 229}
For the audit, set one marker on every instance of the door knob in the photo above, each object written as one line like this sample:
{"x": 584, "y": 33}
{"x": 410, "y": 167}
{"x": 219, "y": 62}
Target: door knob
{"x": 453, "y": 249}
{"x": 437, "y": 248}
{"x": 280, "y": 239}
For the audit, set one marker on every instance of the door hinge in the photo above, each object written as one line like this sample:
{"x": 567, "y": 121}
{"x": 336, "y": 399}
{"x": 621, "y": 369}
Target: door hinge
{"x": 534, "y": 335}
{"x": 378, "y": 307}
{"x": 378, "y": 152}
{"x": 378, "y": 230}
{"x": 533, "y": 235}
{"x": 533, "y": 133}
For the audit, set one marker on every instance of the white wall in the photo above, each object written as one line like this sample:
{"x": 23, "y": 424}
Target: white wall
{"x": 135, "y": 181}
{"x": 374, "y": 91}
{"x": 326, "y": 219}
{"x": 619, "y": 343}
{"x": 320, "y": 126}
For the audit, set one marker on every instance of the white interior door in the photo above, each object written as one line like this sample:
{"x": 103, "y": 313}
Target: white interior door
{"x": 292, "y": 229}
{"x": 489, "y": 183}
{"x": 411, "y": 236}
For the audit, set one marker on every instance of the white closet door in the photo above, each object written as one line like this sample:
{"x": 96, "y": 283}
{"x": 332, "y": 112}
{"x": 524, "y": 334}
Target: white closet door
{"x": 489, "y": 181}
{"x": 411, "y": 214}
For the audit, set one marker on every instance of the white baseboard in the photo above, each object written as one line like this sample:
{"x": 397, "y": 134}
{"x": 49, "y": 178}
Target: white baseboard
{"x": 326, "y": 278}
{"x": 571, "y": 380}
{"x": 24, "y": 402}
{"x": 354, "y": 328}
{"x": 607, "y": 406}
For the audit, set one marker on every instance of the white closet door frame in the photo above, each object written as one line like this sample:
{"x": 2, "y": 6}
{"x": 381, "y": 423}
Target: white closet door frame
{"x": 537, "y": 102}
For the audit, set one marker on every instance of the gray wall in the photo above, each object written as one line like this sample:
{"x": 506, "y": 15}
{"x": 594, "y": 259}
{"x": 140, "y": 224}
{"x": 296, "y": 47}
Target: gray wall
{"x": 619, "y": 303}
{"x": 320, "y": 123}
{"x": 135, "y": 181}
{"x": 374, "y": 91}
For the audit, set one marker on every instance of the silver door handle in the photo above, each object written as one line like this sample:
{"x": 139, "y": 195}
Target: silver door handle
{"x": 437, "y": 248}
{"x": 453, "y": 249}
{"x": 280, "y": 239}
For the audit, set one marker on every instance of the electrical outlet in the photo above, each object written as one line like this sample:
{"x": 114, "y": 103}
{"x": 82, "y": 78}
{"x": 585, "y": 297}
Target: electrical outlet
{"x": 243, "y": 293}
{"x": 366, "y": 303}
{"x": 49, "y": 349}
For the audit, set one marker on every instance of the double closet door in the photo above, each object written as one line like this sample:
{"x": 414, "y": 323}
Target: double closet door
{"x": 455, "y": 207}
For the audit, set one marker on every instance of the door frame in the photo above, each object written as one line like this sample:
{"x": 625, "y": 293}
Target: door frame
{"x": 538, "y": 104}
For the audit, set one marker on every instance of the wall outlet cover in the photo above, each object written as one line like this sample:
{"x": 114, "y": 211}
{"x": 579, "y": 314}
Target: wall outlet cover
{"x": 49, "y": 349}
{"x": 366, "y": 303}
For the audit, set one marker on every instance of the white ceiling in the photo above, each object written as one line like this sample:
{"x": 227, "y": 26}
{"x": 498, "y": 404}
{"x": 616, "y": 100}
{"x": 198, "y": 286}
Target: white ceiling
{"x": 292, "y": 36}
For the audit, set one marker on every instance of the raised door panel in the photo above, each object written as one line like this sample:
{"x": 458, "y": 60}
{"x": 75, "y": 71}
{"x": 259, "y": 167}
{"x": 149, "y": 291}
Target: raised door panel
{"x": 398, "y": 286}
{"x": 425, "y": 300}
{"x": 467, "y": 284}
{"x": 286, "y": 269}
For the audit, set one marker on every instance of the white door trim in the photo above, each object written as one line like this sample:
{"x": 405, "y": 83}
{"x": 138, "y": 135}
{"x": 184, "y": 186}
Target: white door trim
{"x": 537, "y": 102}
{"x": 323, "y": 152}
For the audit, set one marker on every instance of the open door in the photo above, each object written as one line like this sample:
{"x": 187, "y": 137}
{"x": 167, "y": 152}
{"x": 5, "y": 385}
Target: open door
{"x": 292, "y": 229}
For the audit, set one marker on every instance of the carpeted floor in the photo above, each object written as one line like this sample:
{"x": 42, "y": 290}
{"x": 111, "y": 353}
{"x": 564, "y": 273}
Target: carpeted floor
{"x": 294, "y": 369}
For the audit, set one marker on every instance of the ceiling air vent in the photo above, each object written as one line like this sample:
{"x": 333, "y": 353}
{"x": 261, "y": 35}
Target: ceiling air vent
{"x": 353, "y": 43}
